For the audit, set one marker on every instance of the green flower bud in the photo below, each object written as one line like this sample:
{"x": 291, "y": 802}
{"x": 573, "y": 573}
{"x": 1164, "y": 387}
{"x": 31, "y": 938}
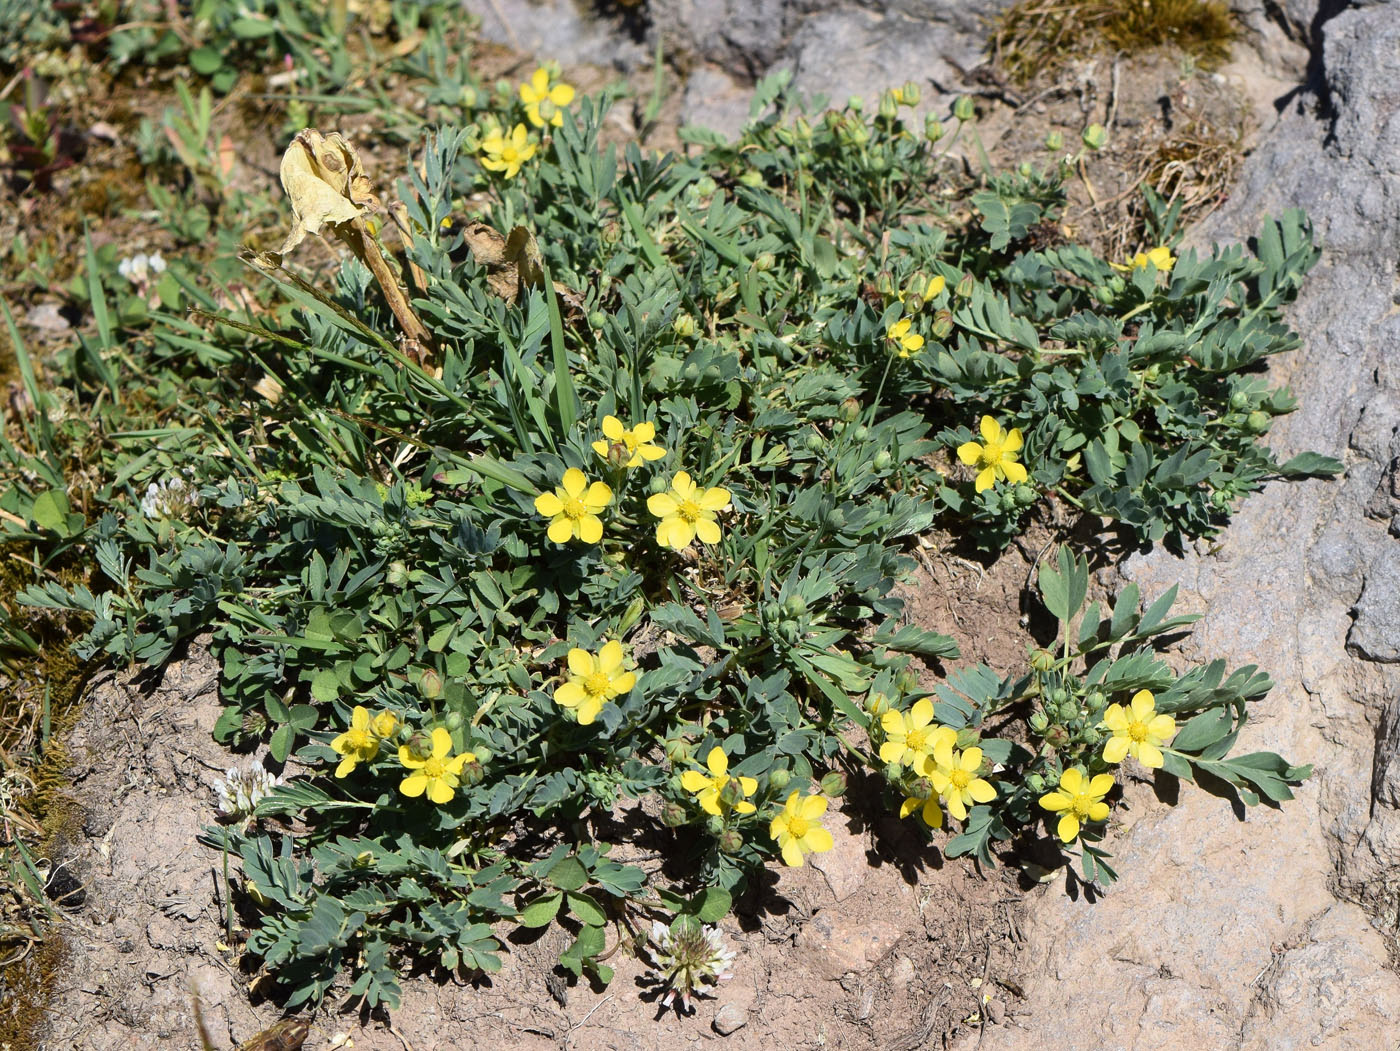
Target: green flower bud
{"x": 472, "y": 772}
{"x": 1057, "y": 736}
{"x": 714, "y": 824}
{"x": 1095, "y": 136}
{"x": 765, "y": 262}
{"x": 683, "y": 325}
{"x": 466, "y": 97}
{"x": 784, "y": 135}
{"x": 1024, "y": 169}
{"x": 452, "y": 720}
{"x": 752, "y": 177}
{"x": 1221, "y": 499}
{"x": 673, "y": 815}
{"x": 597, "y": 319}
{"x": 658, "y": 484}
{"x": 612, "y": 232}
{"x": 942, "y": 324}
{"x": 836, "y": 520}
{"x": 907, "y": 681}
{"x": 1151, "y": 373}
{"x": 1006, "y": 500}
{"x": 884, "y": 283}
{"x": 430, "y": 684}
{"x": 1035, "y": 782}
{"x": 855, "y": 103}
{"x": 803, "y": 129}
{"x": 1258, "y": 421}
{"x": 858, "y": 133}
{"x": 1102, "y": 294}
{"x": 1038, "y": 722}
{"x": 419, "y": 745}
{"x": 889, "y": 106}
{"x": 1059, "y": 695}
{"x": 364, "y": 859}
{"x": 1095, "y": 701}
{"x": 933, "y": 128}
{"x": 705, "y": 186}
{"x": 731, "y": 841}
{"x": 1025, "y": 495}
{"x": 1054, "y": 141}
{"x": 860, "y": 432}
{"x": 909, "y": 93}
{"x": 894, "y": 773}
{"x": 968, "y": 737}
{"x": 877, "y": 704}
{"x": 678, "y": 749}
{"x": 814, "y": 443}
{"x": 964, "y": 287}
{"x": 882, "y": 460}
{"x": 963, "y": 108}
{"x": 690, "y": 372}
{"x": 850, "y": 410}
{"x": 778, "y": 779}
{"x": 1239, "y": 400}
{"x": 795, "y": 606}
{"x": 913, "y": 302}
{"x": 834, "y": 783}
{"x": 922, "y": 788}
{"x": 1042, "y": 660}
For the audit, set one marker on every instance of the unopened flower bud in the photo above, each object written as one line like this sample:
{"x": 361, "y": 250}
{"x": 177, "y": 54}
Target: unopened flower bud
{"x": 778, "y": 779}
{"x": 705, "y": 186}
{"x": 731, "y": 841}
{"x": 1257, "y": 422}
{"x": 363, "y": 859}
{"x": 254, "y": 724}
{"x": 472, "y": 772}
{"x": 963, "y": 108}
{"x": 922, "y": 788}
{"x": 942, "y": 324}
{"x": 881, "y": 460}
{"x": 714, "y": 824}
{"x": 814, "y": 443}
{"x": 430, "y": 684}
{"x": 419, "y": 745}
{"x": 452, "y": 720}
{"x": 858, "y": 133}
{"x": 860, "y": 432}
{"x": 618, "y": 455}
{"x": 802, "y": 129}
{"x": 1221, "y": 499}
{"x": 1095, "y": 136}
{"x": 752, "y": 177}
{"x": 968, "y": 737}
{"x": 913, "y": 302}
{"x": 834, "y": 783}
{"x": 1239, "y": 400}
{"x": 1036, "y": 782}
{"x": 1025, "y": 495}
{"x": 1095, "y": 701}
{"x": 933, "y": 128}
{"x": 894, "y": 773}
{"x": 907, "y": 681}
{"x": 1024, "y": 169}
{"x": 850, "y": 410}
{"x": 1042, "y": 660}
{"x": 889, "y": 106}
{"x": 673, "y": 815}
{"x": 678, "y": 749}
{"x": 765, "y": 261}
{"x": 877, "y": 704}
{"x": 909, "y": 93}
{"x": 1057, "y": 736}
{"x": 855, "y": 103}
{"x": 1039, "y": 721}
{"x": 397, "y": 575}
{"x": 964, "y": 287}
{"x": 1055, "y": 141}
{"x": 658, "y": 484}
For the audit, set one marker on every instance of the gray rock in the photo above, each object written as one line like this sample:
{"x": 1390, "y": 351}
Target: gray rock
{"x": 730, "y": 1018}
{"x": 1375, "y": 635}
{"x": 568, "y": 31}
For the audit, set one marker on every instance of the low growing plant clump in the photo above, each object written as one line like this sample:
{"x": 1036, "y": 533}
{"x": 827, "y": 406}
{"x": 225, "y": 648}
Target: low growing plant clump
{"x": 602, "y": 521}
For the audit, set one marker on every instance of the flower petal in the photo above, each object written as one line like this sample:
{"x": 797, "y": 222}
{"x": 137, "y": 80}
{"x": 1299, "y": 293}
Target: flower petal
{"x": 590, "y": 529}
{"x": 921, "y": 713}
{"x": 716, "y": 499}
{"x": 1150, "y": 755}
{"x": 892, "y": 751}
{"x": 561, "y": 530}
{"x": 1143, "y": 704}
{"x": 1162, "y": 727}
{"x": 986, "y": 478}
{"x": 570, "y": 695}
{"x": 1068, "y": 828}
{"x": 971, "y": 760}
{"x": 662, "y": 505}
{"x": 813, "y": 807}
{"x": 413, "y": 785}
{"x": 717, "y": 762}
{"x": 981, "y": 790}
{"x": 1013, "y": 441}
{"x": 439, "y": 791}
{"x": 1101, "y": 784}
{"x": 991, "y": 430}
{"x": 442, "y": 742}
{"x": 1116, "y": 749}
{"x": 612, "y": 428}
{"x": 582, "y": 663}
{"x": 1072, "y": 780}
{"x": 1056, "y": 801}
{"x": 1015, "y": 472}
{"x": 575, "y": 482}
{"x": 969, "y": 453}
{"x": 933, "y": 813}
{"x": 792, "y": 854}
{"x": 610, "y": 657}
{"x": 707, "y": 531}
{"x": 694, "y": 781}
{"x": 1115, "y": 718}
{"x": 599, "y": 495}
{"x": 818, "y": 840}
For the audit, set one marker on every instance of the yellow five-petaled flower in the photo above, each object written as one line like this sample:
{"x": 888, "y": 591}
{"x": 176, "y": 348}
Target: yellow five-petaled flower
{"x": 709, "y": 791}
{"x": 1161, "y": 257}
{"x": 636, "y": 443}
{"x": 506, "y": 154}
{"x": 797, "y": 828}
{"x": 995, "y": 456}
{"x": 594, "y": 681}
{"x": 1138, "y": 731}
{"x": 360, "y": 743}
{"x": 572, "y": 509}
{"x": 954, "y": 778}
{"x": 906, "y": 343}
{"x": 910, "y": 740}
{"x": 437, "y": 774}
{"x": 537, "y": 91}
{"x": 1079, "y": 799}
{"x": 686, "y": 512}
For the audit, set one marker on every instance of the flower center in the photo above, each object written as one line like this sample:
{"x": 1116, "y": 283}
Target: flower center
{"x": 597, "y": 684}
{"x": 916, "y": 740}
{"x": 992, "y": 454}
{"x": 1083, "y": 803}
{"x": 1137, "y": 731}
{"x": 510, "y": 153}
{"x": 573, "y": 507}
{"x": 358, "y": 740}
{"x": 689, "y": 510}
{"x": 797, "y": 827}
{"x": 434, "y": 769}
{"x": 960, "y": 778}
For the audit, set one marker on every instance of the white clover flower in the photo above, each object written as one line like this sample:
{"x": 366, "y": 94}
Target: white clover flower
{"x": 172, "y": 497}
{"x": 241, "y": 789}
{"x": 689, "y": 955}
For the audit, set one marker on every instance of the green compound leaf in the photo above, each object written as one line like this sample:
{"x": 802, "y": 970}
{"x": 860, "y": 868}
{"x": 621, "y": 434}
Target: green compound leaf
{"x": 588, "y": 910}
{"x": 541, "y": 911}
{"x": 568, "y": 874}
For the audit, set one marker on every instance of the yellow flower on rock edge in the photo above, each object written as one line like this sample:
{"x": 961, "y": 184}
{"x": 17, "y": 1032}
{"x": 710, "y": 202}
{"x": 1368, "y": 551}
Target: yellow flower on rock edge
{"x": 906, "y": 343}
{"x": 360, "y": 743}
{"x": 797, "y": 828}
{"x": 1137, "y": 731}
{"x": 995, "y": 457}
{"x": 537, "y": 90}
{"x": 1161, "y": 257}
{"x": 436, "y": 774}
{"x": 954, "y": 778}
{"x": 572, "y": 509}
{"x": 1078, "y": 800}
{"x": 709, "y": 791}
{"x": 637, "y": 441}
{"x": 506, "y": 155}
{"x": 594, "y": 681}
{"x": 687, "y": 512}
{"x": 910, "y": 740}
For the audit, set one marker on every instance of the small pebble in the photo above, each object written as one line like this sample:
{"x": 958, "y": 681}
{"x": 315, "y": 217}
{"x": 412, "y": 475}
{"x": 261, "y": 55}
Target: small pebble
{"x": 730, "y": 1019}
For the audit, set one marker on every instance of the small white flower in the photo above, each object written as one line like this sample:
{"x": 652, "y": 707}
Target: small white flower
{"x": 140, "y": 268}
{"x": 172, "y": 497}
{"x": 688, "y": 955}
{"x": 240, "y": 790}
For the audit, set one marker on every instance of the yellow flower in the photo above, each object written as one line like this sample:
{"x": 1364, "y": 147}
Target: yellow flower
{"x": 1161, "y": 257}
{"x": 1078, "y": 800}
{"x": 537, "y": 90}
{"x": 593, "y": 681}
{"x": 931, "y": 812}
{"x": 709, "y": 791}
{"x": 636, "y": 441}
{"x": 995, "y": 457}
{"x": 797, "y": 828}
{"x": 954, "y": 778}
{"x": 936, "y": 284}
{"x": 437, "y": 774}
{"x": 687, "y": 512}
{"x": 506, "y": 155}
{"x": 1138, "y": 731}
{"x": 572, "y": 509}
{"x": 360, "y": 743}
{"x": 906, "y": 342}
{"x": 910, "y": 740}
